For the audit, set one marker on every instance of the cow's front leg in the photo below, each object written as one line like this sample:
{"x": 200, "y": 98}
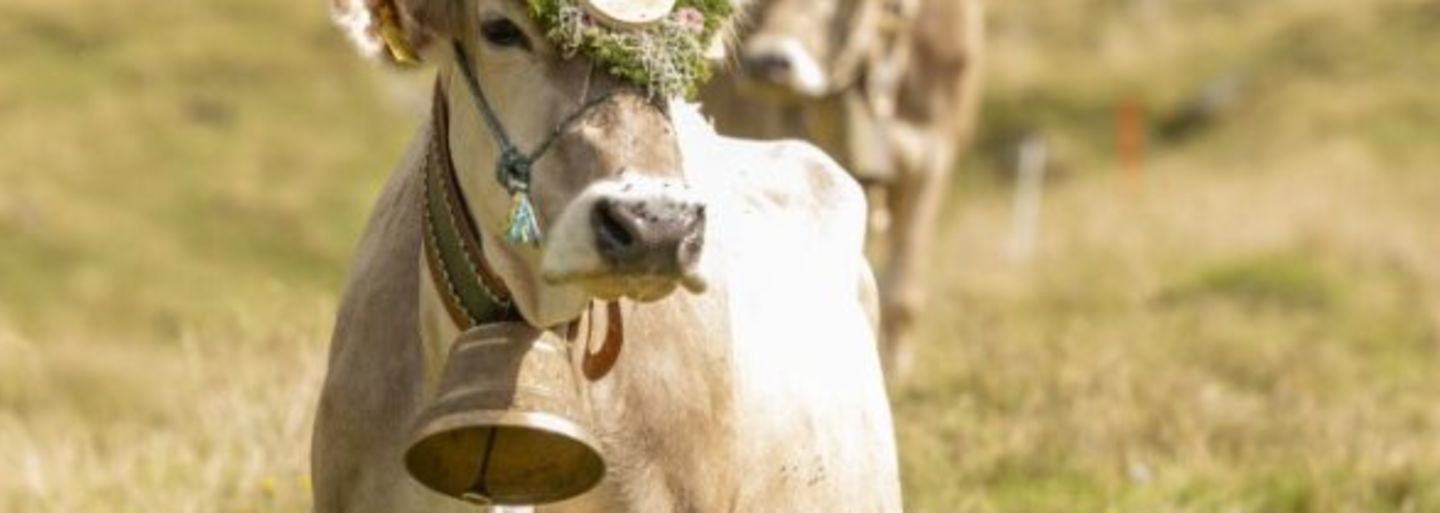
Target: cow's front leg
{"x": 877, "y": 226}
{"x": 913, "y": 202}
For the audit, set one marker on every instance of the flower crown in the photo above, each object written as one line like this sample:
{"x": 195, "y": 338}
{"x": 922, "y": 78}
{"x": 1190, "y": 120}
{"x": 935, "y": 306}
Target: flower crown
{"x": 666, "y": 55}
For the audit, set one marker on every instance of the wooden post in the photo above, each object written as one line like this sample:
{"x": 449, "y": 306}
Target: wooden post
{"x": 1130, "y": 143}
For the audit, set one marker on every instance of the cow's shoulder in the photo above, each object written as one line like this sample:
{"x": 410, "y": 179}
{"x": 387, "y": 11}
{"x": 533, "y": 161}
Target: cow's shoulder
{"x": 801, "y": 168}
{"x": 797, "y": 180}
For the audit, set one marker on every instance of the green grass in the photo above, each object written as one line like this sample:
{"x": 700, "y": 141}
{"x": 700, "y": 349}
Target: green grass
{"x": 1292, "y": 282}
{"x": 1255, "y": 327}
{"x": 180, "y": 187}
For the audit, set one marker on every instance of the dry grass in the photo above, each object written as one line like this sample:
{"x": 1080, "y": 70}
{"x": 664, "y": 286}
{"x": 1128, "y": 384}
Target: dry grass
{"x": 1147, "y": 361}
{"x": 180, "y": 186}
{"x": 1255, "y": 329}
{"x": 216, "y": 420}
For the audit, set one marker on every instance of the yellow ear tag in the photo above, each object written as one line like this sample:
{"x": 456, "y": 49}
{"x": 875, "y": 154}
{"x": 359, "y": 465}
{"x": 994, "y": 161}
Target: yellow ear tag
{"x": 393, "y": 36}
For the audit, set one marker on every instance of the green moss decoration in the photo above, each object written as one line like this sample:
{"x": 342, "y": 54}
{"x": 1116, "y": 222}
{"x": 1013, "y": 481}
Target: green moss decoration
{"x": 666, "y": 58}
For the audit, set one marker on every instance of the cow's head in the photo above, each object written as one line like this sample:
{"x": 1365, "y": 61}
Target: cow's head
{"x": 807, "y": 48}
{"x": 616, "y": 213}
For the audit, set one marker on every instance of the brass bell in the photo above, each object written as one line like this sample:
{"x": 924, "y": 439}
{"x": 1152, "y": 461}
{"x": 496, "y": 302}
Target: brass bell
{"x": 508, "y": 425}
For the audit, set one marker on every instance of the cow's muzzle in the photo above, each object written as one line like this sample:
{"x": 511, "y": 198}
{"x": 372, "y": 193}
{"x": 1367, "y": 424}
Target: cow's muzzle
{"x": 782, "y": 65}
{"x": 653, "y": 236}
{"x": 636, "y": 237}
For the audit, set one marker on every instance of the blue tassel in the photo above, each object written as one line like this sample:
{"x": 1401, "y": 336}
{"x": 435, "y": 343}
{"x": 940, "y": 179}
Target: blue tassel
{"x": 523, "y": 229}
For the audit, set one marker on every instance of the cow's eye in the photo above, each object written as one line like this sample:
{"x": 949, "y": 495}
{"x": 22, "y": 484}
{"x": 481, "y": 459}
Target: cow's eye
{"x": 504, "y": 33}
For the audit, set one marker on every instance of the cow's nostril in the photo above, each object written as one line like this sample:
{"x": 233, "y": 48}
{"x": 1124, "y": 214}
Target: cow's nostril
{"x": 768, "y": 66}
{"x": 614, "y": 235}
{"x": 649, "y": 236}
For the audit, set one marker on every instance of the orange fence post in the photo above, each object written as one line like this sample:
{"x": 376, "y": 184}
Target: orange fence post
{"x": 1130, "y": 142}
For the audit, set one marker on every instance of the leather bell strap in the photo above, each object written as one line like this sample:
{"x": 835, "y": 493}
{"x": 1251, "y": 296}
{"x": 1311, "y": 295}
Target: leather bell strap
{"x": 597, "y": 364}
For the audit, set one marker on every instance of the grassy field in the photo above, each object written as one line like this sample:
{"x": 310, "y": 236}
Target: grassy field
{"x": 1253, "y": 325}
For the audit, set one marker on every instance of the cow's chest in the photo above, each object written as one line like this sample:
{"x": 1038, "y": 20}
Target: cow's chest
{"x": 765, "y": 406}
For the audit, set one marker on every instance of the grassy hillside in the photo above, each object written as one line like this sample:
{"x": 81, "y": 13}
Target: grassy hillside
{"x": 181, "y": 184}
{"x": 1252, "y": 325}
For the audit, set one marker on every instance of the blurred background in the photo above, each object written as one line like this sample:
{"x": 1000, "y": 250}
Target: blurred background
{"x": 1226, "y": 299}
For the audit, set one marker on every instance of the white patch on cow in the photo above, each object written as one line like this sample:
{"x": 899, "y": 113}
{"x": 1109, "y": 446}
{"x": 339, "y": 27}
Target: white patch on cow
{"x": 354, "y": 17}
{"x": 572, "y": 257}
{"x": 804, "y": 357}
{"x": 690, "y": 124}
{"x": 788, "y": 230}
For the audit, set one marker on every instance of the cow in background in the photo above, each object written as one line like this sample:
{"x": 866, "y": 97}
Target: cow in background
{"x": 891, "y": 89}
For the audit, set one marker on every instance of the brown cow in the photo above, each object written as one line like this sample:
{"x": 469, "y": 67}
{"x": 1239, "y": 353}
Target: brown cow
{"x": 889, "y": 87}
{"x": 749, "y": 381}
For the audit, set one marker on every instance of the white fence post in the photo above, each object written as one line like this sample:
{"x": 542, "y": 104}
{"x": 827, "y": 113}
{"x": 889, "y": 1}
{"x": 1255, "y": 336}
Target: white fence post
{"x": 1029, "y": 194}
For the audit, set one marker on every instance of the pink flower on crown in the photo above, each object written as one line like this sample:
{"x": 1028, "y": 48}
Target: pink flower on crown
{"x": 690, "y": 19}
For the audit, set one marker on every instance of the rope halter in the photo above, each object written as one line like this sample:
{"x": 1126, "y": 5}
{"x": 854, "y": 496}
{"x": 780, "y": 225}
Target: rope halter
{"x": 514, "y": 167}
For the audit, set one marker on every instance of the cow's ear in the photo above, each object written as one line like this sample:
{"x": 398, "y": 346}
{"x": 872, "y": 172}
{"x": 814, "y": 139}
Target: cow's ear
{"x": 396, "y": 31}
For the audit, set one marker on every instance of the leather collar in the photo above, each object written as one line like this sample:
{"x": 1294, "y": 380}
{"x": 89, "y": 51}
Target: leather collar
{"x": 471, "y": 291}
